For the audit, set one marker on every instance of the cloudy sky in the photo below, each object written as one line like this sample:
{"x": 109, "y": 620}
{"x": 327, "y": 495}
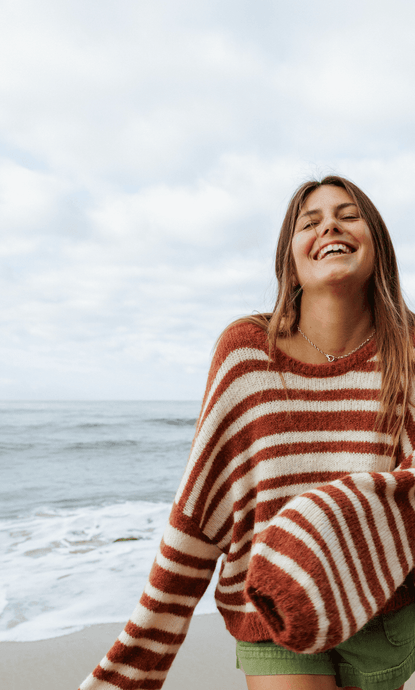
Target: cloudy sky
{"x": 148, "y": 149}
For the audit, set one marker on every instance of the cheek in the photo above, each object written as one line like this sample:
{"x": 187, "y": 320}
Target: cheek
{"x": 301, "y": 247}
{"x": 300, "y": 261}
{"x": 295, "y": 256}
{"x": 367, "y": 236}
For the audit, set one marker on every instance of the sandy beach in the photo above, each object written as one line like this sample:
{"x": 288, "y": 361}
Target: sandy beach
{"x": 206, "y": 659}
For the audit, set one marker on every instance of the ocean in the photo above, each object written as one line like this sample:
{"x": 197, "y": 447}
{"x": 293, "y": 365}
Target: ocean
{"x": 86, "y": 490}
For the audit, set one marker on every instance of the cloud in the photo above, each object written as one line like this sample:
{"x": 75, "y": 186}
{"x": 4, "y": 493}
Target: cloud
{"x": 155, "y": 92}
{"x": 147, "y": 154}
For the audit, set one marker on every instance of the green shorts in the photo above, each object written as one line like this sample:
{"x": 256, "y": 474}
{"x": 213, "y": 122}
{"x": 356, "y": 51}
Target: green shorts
{"x": 381, "y": 656}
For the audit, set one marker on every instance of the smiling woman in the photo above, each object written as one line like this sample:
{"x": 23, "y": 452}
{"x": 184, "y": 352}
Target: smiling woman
{"x": 334, "y": 231}
{"x": 336, "y": 300}
{"x": 301, "y": 475}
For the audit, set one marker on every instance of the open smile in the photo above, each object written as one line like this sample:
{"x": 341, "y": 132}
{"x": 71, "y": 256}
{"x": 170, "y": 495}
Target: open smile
{"x": 334, "y": 250}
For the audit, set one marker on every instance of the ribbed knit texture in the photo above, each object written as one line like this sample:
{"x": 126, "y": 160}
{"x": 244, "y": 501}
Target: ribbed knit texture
{"x": 292, "y": 487}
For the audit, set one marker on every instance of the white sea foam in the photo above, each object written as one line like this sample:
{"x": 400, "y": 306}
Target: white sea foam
{"x": 63, "y": 570}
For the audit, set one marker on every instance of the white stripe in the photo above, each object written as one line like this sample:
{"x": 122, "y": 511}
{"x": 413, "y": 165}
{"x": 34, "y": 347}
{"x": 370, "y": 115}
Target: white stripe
{"x": 233, "y": 359}
{"x": 144, "y": 618}
{"x": 407, "y": 448}
{"x": 411, "y": 407}
{"x": 342, "y": 405}
{"x": 226, "y": 540}
{"x": 230, "y": 589}
{"x": 236, "y": 545}
{"x": 131, "y": 672}
{"x": 245, "y": 608}
{"x": 191, "y": 546}
{"x": 90, "y": 683}
{"x": 146, "y": 643}
{"x": 356, "y": 380}
{"x": 232, "y": 568}
{"x": 180, "y": 569}
{"x": 307, "y": 583}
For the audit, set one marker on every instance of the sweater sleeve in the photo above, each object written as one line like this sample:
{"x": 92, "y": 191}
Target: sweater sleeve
{"x": 185, "y": 562}
{"x": 144, "y": 651}
{"x": 332, "y": 557}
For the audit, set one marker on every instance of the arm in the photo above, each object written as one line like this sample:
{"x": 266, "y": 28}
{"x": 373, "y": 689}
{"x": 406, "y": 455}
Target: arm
{"x": 332, "y": 557}
{"x": 144, "y": 651}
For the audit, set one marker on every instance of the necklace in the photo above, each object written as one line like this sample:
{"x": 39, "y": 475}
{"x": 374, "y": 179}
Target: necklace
{"x": 331, "y": 358}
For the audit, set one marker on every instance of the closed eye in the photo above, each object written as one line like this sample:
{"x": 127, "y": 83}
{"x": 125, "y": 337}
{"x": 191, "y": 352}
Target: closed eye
{"x": 312, "y": 224}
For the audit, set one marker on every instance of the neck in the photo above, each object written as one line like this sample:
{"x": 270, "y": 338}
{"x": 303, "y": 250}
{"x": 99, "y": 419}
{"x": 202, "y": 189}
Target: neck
{"x": 336, "y": 323}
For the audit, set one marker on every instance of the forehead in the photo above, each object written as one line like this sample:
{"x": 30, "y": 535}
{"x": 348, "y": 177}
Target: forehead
{"x": 326, "y": 195}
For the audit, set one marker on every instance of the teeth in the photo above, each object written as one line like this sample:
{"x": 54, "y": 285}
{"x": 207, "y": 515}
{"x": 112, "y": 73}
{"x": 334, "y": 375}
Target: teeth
{"x": 333, "y": 248}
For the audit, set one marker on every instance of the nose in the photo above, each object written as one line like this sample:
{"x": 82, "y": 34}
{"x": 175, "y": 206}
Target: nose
{"x": 329, "y": 225}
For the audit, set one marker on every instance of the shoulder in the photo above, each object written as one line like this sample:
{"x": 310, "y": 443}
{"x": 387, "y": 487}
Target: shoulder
{"x": 241, "y": 351}
{"x": 242, "y": 347}
{"x": 242, "y": 335}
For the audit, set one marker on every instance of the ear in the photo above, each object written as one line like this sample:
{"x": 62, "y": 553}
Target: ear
{"x": 294, "y": 283}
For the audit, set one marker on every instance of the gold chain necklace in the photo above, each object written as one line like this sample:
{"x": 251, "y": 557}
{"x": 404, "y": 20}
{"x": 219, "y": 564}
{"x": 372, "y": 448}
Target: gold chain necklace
{"x": 331, "y": 358}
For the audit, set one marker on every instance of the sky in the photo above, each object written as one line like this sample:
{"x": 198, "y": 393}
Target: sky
{"x": 148, "y": 151}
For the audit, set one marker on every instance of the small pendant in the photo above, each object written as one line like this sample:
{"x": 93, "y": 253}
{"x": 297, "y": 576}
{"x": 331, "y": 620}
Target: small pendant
{"x": 331, "y": 358}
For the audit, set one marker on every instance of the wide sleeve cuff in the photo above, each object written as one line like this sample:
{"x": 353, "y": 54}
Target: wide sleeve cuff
{"x": 331, "y": 559}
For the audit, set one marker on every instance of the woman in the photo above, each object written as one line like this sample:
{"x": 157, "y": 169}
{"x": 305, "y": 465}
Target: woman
{"x": 290, "y": 477}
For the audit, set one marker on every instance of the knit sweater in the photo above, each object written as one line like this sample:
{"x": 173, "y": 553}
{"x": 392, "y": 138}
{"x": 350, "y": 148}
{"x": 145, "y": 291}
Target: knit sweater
{"x": 290, "y": 485}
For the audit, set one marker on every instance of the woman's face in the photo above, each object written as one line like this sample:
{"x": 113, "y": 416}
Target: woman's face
{"x": 332, "y": 245}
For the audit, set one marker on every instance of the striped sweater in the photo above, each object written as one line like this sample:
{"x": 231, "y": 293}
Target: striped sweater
{"x": 288, "y": 483}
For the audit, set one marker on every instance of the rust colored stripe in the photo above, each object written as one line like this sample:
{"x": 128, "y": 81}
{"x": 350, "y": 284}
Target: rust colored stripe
{"x": 161, "y": 607}
{"x": 185, "y": 559}
{"x": 155, "y": 634}
{"x": 139, "y": 657}
{"x": 176, "y": 583}
{"x": 125, "y": 683}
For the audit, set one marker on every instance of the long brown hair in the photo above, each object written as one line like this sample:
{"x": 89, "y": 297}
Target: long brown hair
{"x": 393, "y": 321}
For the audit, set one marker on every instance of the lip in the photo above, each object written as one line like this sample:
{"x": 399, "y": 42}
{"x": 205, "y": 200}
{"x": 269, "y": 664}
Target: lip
{"x": 318, "y": 250}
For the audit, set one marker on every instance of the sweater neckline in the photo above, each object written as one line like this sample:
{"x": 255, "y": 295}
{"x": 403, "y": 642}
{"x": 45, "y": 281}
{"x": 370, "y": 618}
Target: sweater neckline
{"x": 337, "y": 368}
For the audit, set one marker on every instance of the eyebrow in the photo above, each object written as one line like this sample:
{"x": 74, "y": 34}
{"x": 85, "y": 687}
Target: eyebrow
{"x": 318, "y": 210}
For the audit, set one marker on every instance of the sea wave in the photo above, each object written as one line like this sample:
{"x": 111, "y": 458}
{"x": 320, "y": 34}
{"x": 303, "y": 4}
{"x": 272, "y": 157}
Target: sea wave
{"x": 65, "y": 569}
{"x": 173, "y": 422}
